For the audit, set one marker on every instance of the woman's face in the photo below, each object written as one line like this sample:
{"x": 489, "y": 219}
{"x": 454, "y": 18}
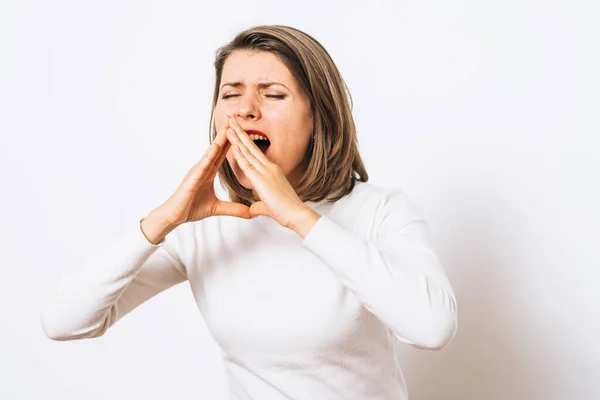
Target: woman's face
{"x": 262, "y": 91}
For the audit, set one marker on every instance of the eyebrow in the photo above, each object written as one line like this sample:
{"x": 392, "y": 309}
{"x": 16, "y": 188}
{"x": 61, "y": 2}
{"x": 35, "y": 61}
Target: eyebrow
{"x": 260, "y": 85}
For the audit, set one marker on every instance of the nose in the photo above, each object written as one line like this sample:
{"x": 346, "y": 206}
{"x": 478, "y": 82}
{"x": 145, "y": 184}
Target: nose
{"x": 248, "y": 108}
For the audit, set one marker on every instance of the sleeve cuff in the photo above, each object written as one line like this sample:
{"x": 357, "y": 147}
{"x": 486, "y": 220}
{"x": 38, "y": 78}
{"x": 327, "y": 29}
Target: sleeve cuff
{"x": 324, "y": 234}
{"x": 149, "y": 242}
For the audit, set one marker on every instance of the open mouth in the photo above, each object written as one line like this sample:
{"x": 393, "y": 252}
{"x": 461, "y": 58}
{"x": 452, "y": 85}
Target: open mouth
{"x": 263, "y": 145}
{"x": 260, "y": 140}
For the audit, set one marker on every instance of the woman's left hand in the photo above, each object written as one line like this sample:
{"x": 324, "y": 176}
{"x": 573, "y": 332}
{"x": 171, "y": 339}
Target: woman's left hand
{"x": 278, "y": 199}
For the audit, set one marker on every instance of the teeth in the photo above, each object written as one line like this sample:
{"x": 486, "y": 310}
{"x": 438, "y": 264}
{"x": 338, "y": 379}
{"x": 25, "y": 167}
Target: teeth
{"x": 257, "y": 137}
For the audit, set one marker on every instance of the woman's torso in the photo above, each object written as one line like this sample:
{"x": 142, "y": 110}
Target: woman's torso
{"x": 286, "y": 325}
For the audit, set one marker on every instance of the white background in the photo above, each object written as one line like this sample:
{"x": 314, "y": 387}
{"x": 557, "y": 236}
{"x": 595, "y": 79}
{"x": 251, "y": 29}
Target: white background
{"x": 484, "y": 112}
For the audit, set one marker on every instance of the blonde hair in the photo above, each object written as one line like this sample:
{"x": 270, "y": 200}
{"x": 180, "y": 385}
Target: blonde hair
{"x": 333, "y": 159}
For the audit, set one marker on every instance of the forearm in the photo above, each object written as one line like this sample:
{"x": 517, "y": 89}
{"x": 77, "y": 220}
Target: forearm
{"x": 402, "y": 284}
{"x": 118, "y": 277}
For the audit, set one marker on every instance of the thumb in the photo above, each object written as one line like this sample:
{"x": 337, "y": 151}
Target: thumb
{"x": 257, "y": 209}
{"x": 232, "y": 209}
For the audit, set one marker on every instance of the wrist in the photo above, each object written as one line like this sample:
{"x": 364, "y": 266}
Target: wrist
{"x": 155, "y": 227}
{"x": 304, "y": 221}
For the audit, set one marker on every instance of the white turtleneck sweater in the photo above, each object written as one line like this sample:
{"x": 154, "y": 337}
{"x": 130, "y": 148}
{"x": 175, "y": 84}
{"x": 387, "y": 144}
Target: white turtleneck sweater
{"x": 313, "y": 318}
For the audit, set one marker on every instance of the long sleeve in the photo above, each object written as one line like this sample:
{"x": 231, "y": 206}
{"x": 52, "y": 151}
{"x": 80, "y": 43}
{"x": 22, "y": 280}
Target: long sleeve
{"x": 396, "y": 275}
{"x": 123, "y": 274}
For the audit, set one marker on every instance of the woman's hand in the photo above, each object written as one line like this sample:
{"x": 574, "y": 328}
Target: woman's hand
{"x": 278, "y": 199}
{"x": 195, "y": 197}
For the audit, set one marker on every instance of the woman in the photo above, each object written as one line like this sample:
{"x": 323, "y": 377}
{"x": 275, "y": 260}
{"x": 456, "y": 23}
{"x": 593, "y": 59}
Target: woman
{"x": 310, "y": 276}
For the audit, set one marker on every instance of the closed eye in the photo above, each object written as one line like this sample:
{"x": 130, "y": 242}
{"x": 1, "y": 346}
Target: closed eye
{"x": 272, "y": 96}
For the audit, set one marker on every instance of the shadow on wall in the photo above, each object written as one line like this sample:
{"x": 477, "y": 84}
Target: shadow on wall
{"x": 497, "y": 353}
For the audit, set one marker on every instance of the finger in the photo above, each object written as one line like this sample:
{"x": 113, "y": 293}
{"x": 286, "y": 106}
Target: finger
{"x": 233, "y": 209}
{"x": 196, "y": 175}
{"x": 258, "y": 208}
{"x": 223, "y": 142}
{"x": 208, "y": 158}
{"x": 214, "y": 155}
{"x": 221, "y": 138}
{"x": 245, "y": 165}
{"x": 224, "y": 150}
{"x": 248, "y": 143}
{"x": 206, "y": 165}
{"x": 247, "y": 154}
{"x": 223, "y": 154}
{"x": 253, "y": 148}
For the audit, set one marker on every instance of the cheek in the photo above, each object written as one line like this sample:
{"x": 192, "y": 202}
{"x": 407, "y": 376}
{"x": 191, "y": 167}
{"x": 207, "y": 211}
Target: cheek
{"x": 299, "y": 135}
{"x": 274, "y": 114}
{"x": 295, "y": 120}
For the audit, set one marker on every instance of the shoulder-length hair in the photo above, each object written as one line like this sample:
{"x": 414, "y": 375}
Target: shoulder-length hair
{"x": 334, "y": 162}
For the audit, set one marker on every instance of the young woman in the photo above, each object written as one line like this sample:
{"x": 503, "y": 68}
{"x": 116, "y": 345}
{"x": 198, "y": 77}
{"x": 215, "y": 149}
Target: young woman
{"x": 309, "y": 276}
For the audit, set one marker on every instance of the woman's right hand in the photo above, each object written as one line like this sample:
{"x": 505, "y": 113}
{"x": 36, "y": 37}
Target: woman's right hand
{"x": 195, "y": 197}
